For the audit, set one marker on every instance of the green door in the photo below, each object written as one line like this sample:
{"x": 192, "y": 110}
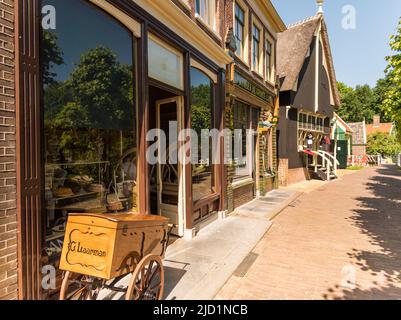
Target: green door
{"x": 342, "y": 153}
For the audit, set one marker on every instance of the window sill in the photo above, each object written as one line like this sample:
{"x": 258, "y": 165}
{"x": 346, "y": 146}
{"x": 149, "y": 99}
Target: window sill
{"x": 271, "y": 83}
{"x": 258, "y": 73}
{"x": 206, "y": 25}
{"x": 242, "y": 60}
{"x": 242, "y": 182}
{"x": 185, "y": 4}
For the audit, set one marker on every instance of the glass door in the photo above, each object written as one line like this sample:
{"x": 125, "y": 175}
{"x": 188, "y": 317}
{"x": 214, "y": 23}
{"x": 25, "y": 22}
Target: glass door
{"x": 170, "y": 180}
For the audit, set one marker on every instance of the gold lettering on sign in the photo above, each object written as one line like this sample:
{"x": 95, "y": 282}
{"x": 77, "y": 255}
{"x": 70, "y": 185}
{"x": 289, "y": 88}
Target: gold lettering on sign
{"x": 87, "y": 249}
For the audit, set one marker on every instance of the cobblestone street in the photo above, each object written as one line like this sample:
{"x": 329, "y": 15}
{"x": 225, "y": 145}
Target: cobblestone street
{"x": 340, "y": 241}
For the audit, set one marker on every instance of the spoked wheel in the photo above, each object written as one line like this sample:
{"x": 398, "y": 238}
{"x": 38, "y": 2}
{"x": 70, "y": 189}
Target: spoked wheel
{"x": 147, "y": 282}
{"x": 79, "y": 287}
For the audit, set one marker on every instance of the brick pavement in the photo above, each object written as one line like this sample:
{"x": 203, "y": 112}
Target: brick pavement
{"x": 341, "y": 241}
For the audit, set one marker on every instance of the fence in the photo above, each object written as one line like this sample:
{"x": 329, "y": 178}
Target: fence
{"x": 365, "y": 161}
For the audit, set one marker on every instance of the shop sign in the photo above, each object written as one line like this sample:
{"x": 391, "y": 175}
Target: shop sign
{"x": 252, "y": 88}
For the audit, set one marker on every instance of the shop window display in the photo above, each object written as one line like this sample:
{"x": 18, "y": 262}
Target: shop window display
{"x": 201, "y": 119}
{"x": 89, "y": 117}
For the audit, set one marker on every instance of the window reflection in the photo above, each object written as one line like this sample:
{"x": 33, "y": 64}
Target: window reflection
{"x": 201, "y": 118}
{"x": 89, "y": 117}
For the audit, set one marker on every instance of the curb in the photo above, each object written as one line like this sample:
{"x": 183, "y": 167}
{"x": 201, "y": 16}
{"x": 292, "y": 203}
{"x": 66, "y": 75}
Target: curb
{"x": 282, "y": 206}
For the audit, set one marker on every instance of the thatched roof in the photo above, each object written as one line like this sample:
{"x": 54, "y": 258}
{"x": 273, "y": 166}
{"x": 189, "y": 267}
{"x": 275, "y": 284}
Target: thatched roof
{"x": 292, "y": 48}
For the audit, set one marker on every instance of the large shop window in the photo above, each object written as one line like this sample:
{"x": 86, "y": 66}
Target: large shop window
{"x": 245, "y": 120}
{"x": 89, "y": 117}
{"x": 202, "y": 123}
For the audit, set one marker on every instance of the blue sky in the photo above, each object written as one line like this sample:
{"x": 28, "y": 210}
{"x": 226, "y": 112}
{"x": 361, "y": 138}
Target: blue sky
{"x": 358, "y": 54}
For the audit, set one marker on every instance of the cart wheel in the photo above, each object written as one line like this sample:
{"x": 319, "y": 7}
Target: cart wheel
{"x": 78, "y": 287}
{"x": 147, "y": 282}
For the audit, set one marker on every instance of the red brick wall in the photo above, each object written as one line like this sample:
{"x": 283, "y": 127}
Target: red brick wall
{"x": 243, "y": 195}
{"x": 8, "y": 211}
{"x": 290, "y": 176}
{"x": 283, "y": 172}
{"x": 297, "y": 175}
{"x": 358, "y": 150}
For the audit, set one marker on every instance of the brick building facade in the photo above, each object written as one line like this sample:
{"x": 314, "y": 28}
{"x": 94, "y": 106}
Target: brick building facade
{"x": 202, "y": 46}
{"x": 252, "y": 84}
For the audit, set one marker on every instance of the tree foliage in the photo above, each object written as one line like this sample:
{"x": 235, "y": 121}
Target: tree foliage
{"x": 384, "y": 144}
{"x": 392, "y": 101}
{"x": 201, "y": 113}
{"x": 102, "y": 86}
{"x": 51, "y": 55}
{"x": 363, "y": 102}
{"x": 91, "y": 108}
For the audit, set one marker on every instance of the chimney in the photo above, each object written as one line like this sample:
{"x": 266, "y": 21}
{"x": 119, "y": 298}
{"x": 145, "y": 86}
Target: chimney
{"x": 376, "y": 120}
{"x": 320, "y": 6}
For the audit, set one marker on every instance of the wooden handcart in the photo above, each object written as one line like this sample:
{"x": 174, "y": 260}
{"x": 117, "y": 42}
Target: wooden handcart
{"x": 101, "y": 249}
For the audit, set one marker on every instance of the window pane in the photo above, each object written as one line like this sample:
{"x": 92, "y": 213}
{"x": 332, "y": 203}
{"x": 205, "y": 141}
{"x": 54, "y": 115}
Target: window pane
{"x": 255, "y": 48}
{"x": 239, "y": 30}
{"x": 201, "y": 119}
{"x": 163, "y": 64}
{"x": 268, "y": 60}
{"x": 89, "y": 117}
{"x": 242, "y": 123}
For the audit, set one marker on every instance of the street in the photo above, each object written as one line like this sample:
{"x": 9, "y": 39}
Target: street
{"x": 340, "y": 241}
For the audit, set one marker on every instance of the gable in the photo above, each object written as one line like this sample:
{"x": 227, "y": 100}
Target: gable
{"x": 303, "y": 53}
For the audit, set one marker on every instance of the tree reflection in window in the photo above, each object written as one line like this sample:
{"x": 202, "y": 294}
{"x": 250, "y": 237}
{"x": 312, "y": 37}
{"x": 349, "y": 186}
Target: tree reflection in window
{"x": 89, "y": 116}
{"x": 201, "y": 119}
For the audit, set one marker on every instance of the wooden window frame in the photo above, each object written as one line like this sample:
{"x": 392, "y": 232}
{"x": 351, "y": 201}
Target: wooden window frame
{"x": 210, "y": 19}
{"x": 245, "y": 58}
{"x": 259, "y": 69}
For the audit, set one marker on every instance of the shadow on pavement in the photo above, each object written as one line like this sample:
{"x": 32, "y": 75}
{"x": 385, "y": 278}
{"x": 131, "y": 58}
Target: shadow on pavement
{"x": 379, "y": 217}
{"x": 172, "y": 277}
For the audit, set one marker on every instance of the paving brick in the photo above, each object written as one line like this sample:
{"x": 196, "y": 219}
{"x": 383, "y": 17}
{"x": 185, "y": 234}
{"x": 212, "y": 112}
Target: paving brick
{"x": 339, "y": 241}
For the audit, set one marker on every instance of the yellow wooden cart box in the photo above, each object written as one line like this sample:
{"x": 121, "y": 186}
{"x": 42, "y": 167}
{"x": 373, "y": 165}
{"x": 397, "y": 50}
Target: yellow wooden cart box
{"x": 107, "y": 246}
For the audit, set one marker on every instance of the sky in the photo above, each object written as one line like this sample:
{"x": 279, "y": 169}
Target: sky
{"x": 90, "y": 29}
{"x": 359, "y": 53}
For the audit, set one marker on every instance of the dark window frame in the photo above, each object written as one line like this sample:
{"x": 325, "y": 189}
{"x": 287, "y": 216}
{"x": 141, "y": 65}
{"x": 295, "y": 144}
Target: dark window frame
{"x": 255, "y": 48}
{"x": 239, "y": 30}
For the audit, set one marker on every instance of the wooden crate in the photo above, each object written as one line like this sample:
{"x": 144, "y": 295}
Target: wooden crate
{"x": 110, "y": 245}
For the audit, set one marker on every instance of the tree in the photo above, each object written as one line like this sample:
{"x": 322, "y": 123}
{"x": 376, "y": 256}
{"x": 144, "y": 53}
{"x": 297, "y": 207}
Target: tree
{"x": 357, "y": 104}
{"x": 93, "y": 107}
{"x": 363, "y": 102}
{"x": 101, "y": 85}
{"x": 201, "y": 112}
{"x": 51, "y": 55}
{"x": 384, "y": 144}
{"x": 380, "y": 92}
{"x": 392, "y": 101}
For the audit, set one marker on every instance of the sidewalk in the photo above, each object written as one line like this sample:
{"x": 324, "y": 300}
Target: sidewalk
{"x": 197, "y": 269}
{"x": 340, "y": 241}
